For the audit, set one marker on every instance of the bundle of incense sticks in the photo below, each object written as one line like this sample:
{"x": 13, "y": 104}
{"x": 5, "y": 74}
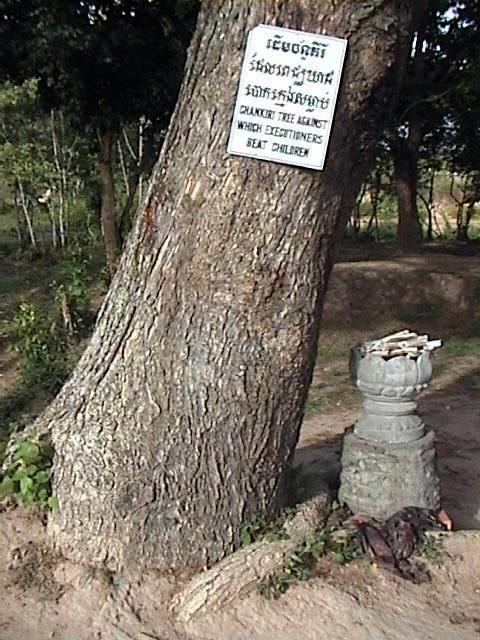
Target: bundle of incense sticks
{"x": 403, "y": 343}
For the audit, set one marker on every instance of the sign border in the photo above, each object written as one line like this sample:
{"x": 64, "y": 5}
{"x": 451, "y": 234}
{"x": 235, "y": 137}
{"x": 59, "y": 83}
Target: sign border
{"x": 235, "y": 115}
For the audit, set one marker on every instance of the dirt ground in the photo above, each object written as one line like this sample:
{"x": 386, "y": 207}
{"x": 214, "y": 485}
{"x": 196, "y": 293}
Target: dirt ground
{"x": 44, "y": 596}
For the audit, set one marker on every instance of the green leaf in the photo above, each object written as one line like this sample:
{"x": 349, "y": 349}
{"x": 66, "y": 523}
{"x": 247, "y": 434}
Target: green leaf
{"x": 42, "y": 495}
{"x": 12, "y": 468}
{"x": 28, "y": 452}
{"x": 31, "y": 470}
{"x": 26, "y": 484}
{"x": 52, "y": 502}
{"x": 27, "y": 499}
{"x": 7, "y": 486}
{"x": 42, "y": 477}
{"x": 19, "y": 474}
{"x": 47, "y": 451}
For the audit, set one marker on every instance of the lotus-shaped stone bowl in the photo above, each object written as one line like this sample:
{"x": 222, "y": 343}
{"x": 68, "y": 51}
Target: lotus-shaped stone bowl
{"x": 390, "y": 387}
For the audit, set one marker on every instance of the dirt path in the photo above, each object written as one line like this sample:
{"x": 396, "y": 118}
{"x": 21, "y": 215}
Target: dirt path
{"x": 46, "y": 597}
{"x": 365, "y": 604}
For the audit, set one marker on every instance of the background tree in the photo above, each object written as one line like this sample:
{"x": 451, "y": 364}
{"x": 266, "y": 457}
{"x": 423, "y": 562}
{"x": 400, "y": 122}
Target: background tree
{"x": 445, "y": 48}
{"x": 42, "y": 165}
{"x": 107, "y": 65}
{"x": 180, "y": 421}
{"x": 24, "y": 163}
{"x": 463, "y": 135}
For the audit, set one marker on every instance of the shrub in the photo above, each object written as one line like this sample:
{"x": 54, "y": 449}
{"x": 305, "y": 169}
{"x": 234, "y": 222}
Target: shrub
{"x": 71, "y": 296}
{"x": 40, "y": 346}
{"x": 28, "y": 477}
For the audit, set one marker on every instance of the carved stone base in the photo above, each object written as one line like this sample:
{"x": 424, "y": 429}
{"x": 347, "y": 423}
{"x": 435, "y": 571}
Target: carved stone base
{"x": 378, "y": 479}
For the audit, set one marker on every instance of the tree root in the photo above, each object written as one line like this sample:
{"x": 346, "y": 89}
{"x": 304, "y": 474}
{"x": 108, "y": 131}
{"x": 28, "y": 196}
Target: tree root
{"x": 238, "y": 574}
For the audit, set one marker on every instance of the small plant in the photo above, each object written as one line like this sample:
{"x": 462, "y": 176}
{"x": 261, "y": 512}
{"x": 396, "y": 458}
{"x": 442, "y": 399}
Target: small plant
{"x": 71, "y": 296}
{"x": 7, "y": 428}
{"x": 253, "y": 531}
{"x": 432, "y": 550}
{"x": 347, "y": 549}
{"x": 272, "y": 587}
{"x": 40, "y": 347}
{"x": 298, "y": 566}
{"x": 334, "y": 540}
{"x": 262, "y": 529}
{"x": 28, "y": 477}
{"x": 76, "y": 279}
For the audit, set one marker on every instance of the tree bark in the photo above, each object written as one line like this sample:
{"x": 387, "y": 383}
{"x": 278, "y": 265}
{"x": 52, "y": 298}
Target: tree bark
{"x": 125, "y": 217}
{"x": 179, "y": 423}
{"x": 405, "y": 162}
{"x": 111, "y": 236}
{"x": 405, "y": 154}
{"x": 26, "y": 213}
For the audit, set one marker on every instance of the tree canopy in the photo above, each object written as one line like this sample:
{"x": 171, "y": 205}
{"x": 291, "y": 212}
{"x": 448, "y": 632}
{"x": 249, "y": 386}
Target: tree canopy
{"x": 114, "y": 60}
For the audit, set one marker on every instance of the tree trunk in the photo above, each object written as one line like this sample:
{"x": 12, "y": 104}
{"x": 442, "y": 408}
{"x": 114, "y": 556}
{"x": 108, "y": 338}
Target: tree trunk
{"x": 429, "y": 205}
{"x": 180, "y": 421}
{"x": 111, "y": 237}
{"x": 125, "y": 217}
{"x": 26, "y": 213}
{"x": 405, "y": 162}
{"x": 19, "y": 219}
{"x": 463, "y": 222}
{"x": 374, "y": 198}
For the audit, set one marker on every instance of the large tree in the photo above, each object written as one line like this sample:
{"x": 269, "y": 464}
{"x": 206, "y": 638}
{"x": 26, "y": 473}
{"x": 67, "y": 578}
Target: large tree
{"x": 180, "y": 421}
{"x": 442, "y": 67}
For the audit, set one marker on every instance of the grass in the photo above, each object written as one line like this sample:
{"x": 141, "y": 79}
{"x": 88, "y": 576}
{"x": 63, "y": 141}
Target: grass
{"x": 329, "y": 399}
{"x": 333, "y": 347}
{"x": 25, "y": 280}
{"x": 331, "y": 389}
{"x": 458, "y": 347}
{"x": 455, "y": 351}
{"x": 432, "y": 550}
{"x": 19, "y": 280}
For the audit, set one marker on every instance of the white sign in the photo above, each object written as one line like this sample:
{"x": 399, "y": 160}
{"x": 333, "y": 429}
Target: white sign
{"x": 286, "y": 98}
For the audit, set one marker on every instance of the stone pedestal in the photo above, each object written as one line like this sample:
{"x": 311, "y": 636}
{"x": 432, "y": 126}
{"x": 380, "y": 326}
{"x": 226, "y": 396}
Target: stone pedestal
{"x": 388, "y": 459}
{"x": 378, "y": 479}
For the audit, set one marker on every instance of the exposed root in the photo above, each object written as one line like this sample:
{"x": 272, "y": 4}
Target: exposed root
{"x": 240, "y": 572}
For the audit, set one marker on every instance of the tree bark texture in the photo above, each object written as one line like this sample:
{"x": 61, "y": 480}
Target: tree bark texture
{"x": 111, "y": 236}
{"x": 405, "y": 163}
{"x": 179, "y": 423}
